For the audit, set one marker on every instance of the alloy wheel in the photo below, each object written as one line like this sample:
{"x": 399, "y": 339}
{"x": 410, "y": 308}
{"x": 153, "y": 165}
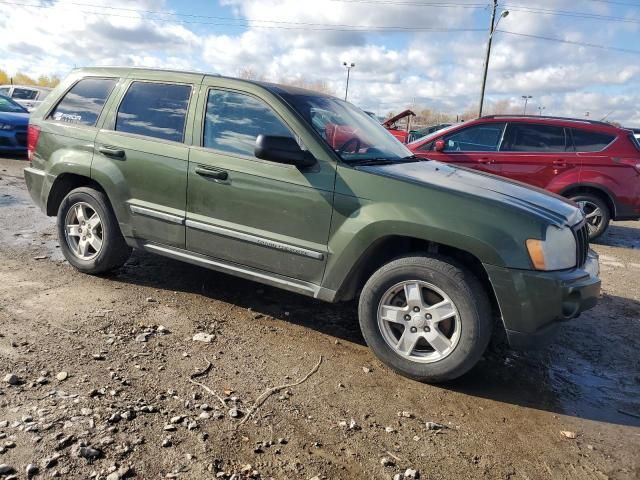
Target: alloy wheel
{"x": 419, "y": 321}
{"x": 592, "y": 214}
{"x": 83, "y": 231}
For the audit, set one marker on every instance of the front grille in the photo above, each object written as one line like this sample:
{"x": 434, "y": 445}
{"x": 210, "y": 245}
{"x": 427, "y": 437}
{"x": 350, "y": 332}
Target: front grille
{"x": 581, "y": 232}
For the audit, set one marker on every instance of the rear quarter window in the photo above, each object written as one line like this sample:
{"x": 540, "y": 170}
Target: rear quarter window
{"x": 83, "y": 104}
{"x": 587, "y": 141}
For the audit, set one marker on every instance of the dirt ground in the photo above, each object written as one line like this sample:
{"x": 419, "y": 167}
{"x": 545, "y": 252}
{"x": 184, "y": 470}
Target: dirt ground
{"x": 104, "y": 364}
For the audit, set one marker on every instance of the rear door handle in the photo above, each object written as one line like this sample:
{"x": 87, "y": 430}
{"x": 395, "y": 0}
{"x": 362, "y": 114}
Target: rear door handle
{"x": 112, "y": 152}
{"x": 485, "y": 160}
{"x": 215, "y": 174}
{"x": 559, "y": 163}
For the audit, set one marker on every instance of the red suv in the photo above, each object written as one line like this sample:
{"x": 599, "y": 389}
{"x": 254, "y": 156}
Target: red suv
{"x": 595, "y": 164}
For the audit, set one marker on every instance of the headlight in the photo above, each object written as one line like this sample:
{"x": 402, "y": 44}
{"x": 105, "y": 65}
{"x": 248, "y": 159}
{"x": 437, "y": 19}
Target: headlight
{"x": 6, "y": 126}
{"x": 556, "y": 252}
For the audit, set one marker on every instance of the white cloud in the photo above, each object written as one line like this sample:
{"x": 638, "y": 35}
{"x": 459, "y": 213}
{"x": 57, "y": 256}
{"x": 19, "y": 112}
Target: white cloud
{"x": 438, "y": 70}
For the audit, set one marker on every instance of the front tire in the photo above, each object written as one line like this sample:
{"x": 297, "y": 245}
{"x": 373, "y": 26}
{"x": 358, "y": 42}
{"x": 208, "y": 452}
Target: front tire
{"x": 88, "y": 232}
{"x": 426, "y": 318}
{"x": 596, "y": 212}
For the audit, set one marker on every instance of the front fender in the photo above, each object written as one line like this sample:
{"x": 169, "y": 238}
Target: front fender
{"x": 358, "y": 224}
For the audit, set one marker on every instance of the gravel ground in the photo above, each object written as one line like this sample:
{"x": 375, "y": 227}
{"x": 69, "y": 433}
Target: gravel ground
{"x": 97, "y": 378}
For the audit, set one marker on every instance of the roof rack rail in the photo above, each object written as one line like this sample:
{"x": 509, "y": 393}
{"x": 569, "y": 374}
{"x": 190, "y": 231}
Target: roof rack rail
{"x": 549, "y": 117}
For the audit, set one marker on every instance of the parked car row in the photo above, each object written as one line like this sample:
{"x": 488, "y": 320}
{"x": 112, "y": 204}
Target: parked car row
{"x": 29, "y": 96}
{"x": 306, "y": 192}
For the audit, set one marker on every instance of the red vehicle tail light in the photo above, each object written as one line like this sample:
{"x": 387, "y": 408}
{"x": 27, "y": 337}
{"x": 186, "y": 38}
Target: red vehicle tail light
{"x": 33, "y": 135}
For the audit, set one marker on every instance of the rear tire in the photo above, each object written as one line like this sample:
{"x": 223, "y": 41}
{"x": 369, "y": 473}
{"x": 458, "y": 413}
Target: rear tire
{"x": 596, "y": 212}
{"x": 450, "y": 338}
{"x": 89, "y": 234}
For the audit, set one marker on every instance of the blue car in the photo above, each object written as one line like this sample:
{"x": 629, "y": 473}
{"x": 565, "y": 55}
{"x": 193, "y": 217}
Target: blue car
{"x": 14, "y": 120}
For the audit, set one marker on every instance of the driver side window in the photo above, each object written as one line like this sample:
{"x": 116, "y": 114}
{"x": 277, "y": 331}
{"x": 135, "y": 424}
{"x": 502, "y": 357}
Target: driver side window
{"x": 478, "y": 138}
{"x": 233, "y": 121}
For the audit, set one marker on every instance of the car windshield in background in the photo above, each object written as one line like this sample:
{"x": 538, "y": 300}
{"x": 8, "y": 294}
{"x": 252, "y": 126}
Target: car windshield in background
{"x": 8, "y": 105}
{"x": 351, "y": 133}
{"x": 434, "y": 134}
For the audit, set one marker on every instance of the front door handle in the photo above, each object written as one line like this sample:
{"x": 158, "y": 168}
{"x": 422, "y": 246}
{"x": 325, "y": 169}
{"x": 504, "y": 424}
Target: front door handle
{"x": 485, "y": 160}
{"x": 112, "y": 152}
{"x": 559, "y": 163}
{"x": 215, "y": 174}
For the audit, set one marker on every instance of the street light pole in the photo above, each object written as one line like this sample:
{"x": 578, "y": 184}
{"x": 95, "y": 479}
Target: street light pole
{"x": 540, "y": 109}
{"x": 492, "y": 29}
{"x": 348, "y": 66}
{"x": 526, "y": 99}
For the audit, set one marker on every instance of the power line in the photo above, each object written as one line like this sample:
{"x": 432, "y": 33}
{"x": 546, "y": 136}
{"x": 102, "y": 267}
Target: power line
{"x": 611, "y": 2}
{"x": 281, "y": 25}
{"x": 571, "y": 42}
{"x": 567, "y": 13}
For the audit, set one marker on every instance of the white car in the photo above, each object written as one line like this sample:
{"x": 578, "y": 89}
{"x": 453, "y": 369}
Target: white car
{"x": 29, "y": 96}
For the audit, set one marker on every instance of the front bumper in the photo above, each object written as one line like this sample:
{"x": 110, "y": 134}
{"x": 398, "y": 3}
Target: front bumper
{"x": 534, "y": 303}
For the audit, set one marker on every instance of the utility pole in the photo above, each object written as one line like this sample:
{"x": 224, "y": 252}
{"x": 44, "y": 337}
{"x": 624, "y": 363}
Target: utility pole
{"x": 492, "y": 29}
{"x": 526, "y": 99}
{"x": 348, "y": 66}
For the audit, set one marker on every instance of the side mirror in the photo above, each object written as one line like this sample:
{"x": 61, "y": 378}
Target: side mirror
{"x": 439, "y": 145}
{"x": 282, "y": 150}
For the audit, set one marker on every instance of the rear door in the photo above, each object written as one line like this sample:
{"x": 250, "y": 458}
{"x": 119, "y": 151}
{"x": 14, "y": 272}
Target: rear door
{"x": 474, "y": 147}
{"x": 536, "y": 153}
{"x": 142, "y": 152}
{"x": 269, "y": 216}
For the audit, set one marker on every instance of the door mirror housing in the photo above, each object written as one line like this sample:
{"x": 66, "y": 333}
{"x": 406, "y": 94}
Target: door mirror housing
{"x": 439, "y": 145}
{"x": 282, "y": 150}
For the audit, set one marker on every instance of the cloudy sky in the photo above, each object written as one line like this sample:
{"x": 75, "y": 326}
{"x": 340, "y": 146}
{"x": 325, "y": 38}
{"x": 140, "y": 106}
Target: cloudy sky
{"x": 406, "y": 51}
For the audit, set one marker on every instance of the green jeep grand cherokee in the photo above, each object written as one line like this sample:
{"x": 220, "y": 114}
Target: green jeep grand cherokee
{"x": 306, "y": 192}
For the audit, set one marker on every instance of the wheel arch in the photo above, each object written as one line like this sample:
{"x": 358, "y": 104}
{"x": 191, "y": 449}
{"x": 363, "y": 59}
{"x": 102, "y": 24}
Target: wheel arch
{"x": 391, "y": 247}
{"x": 63, "y": 184}
{"x": 598, "y": 190}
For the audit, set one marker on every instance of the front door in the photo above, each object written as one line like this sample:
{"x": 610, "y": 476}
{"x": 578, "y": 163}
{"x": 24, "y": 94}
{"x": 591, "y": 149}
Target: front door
{"x": 473, "y": 147}
{"x": 269, "y": 216}
{"x": 143, "y": 153}
{"x": 536, "y": 153}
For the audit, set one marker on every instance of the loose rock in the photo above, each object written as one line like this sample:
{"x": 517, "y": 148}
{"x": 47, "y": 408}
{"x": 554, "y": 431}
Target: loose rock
{"x": 203, "y": 337}
{"x": 6, "y": 469}
{"x": 89, "y": 453}
{"x": 62, "y": 376}
{"x": 12, "y": 379}
{"x": 435, "y": 426}
{"x": 31, "y": 470}
{"x": 387, "y": 462}
{"x": 568, "y": 434}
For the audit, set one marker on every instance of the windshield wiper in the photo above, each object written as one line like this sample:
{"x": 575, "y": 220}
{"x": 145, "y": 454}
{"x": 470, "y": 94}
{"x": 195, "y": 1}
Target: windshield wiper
{"x": 371, "y": 161}
{"x": 384, "y": 161}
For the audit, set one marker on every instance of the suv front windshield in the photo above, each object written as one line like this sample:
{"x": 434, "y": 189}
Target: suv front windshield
{"x": 350, "y": 132}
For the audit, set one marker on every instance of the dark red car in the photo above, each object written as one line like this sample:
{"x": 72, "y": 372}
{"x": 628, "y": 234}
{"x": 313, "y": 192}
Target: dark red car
{"x": 394, "y": 126}
{"x": 593, "y": 163}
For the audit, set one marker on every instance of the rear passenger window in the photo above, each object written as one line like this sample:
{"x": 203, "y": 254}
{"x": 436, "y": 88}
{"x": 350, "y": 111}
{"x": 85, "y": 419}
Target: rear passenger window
{"x": 234, "y": 120}
{"x": 586, "y": 141}
{"x": 526, "y": 137}
{"x": 83, "y": 103}
{"x": 155, "y": 110}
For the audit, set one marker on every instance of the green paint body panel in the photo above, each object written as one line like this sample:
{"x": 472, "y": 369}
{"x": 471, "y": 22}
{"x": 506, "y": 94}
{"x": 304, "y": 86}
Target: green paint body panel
{"x": 302, "y": 229}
